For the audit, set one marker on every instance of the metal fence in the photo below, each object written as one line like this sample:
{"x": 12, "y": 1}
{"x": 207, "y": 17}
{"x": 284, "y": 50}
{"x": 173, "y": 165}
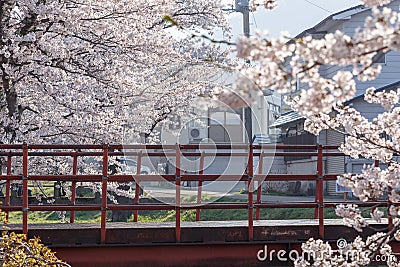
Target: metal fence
{"x": 250, "y": 151}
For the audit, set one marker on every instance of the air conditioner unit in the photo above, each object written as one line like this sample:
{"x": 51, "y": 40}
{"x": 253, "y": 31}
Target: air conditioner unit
{"x": 197, "y": 133}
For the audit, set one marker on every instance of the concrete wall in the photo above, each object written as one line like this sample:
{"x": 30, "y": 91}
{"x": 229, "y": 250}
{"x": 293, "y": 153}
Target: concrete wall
{"x": 277, "y": 166}
{"x": 302, "y": 167}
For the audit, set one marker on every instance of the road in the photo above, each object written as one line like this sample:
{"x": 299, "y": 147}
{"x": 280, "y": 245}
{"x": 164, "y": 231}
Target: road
{"x": 169, "y": 193}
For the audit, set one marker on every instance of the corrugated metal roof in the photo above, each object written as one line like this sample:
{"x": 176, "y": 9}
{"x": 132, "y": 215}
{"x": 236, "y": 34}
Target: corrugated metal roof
{"x": 286, "y": 118}
{"x": 266, "y": 139}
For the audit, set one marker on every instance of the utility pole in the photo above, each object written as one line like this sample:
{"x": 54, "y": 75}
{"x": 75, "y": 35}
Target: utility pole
{"x": 242, "y": 6}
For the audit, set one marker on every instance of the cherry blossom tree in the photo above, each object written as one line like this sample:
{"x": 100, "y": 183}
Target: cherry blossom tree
{"x": 75, "y": 71}
{"x": 94, "y": 71}
{"x": 280, "y": 62}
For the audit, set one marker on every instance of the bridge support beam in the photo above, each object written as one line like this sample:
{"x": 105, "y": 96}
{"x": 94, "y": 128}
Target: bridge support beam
{"x": 177, "y": 255}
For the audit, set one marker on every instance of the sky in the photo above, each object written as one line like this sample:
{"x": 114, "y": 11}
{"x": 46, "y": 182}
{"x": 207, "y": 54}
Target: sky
{"x": 293, "y": 16}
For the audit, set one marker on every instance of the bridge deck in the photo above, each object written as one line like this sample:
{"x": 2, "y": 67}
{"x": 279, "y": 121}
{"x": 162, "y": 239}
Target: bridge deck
{"x": 204, "y": 243}
{"x": 191, "y": 232}
{"x": 212, "y": 224}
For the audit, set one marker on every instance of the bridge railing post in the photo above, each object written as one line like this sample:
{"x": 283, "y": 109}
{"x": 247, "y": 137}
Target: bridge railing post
{"x": 178, "y": 194}
{"x": 250, "y": 193}
{"x": 137, "y": 186}
{"x": 320, "y": 191}
{"x": 73, "y": 186}
{"x": 376, "y": 164}
{"x": 200, "y": 186}
{"x": 389, "y": 203}
{"x": 259, "y": 184}
{"x": 8, "y": 184}
{"x": 25, "y": 189}
{"x": 104, "y": 195}
{"x": 316, "y": 188}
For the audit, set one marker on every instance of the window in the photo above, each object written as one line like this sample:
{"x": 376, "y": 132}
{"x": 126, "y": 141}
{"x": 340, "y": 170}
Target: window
{"x": 217, "y": 118}
{"x": 225, "y": 118}
{"x": 232, "y": 119}
{"x": 379, "y": 58}
{"x": 274, "y": 108}
{"x": 175, "y": 122}
{"x": 297, "y": 84}
{"x": 225, "y": 127}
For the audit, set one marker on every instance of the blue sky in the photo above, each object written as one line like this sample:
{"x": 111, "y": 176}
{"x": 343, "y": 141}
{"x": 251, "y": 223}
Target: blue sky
{"x": 293, "y": 16}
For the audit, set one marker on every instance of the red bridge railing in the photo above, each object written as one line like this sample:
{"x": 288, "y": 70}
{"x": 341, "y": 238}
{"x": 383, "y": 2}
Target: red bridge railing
{"x": 250, "y": 151}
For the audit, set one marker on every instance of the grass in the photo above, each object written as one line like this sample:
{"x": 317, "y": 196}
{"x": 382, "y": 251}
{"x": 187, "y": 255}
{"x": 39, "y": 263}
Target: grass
{"x": 232, "y": 214}
{"x": 55, "y": 217}
{"x": 186, "y": 215}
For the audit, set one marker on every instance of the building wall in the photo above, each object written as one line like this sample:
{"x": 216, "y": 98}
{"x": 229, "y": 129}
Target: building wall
{"x": 357, "y": 20}
{"x": 349, "y": 25}
{"x": 391, "y": 67}
{"x": 264, "y": 113}
{"x": 370, "y": 111}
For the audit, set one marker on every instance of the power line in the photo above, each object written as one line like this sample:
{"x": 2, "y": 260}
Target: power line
{"x": 320, "y": 7}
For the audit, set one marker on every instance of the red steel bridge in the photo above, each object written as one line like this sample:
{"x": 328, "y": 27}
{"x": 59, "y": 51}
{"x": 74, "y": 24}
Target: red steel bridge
{"x": 198, "y": 243}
